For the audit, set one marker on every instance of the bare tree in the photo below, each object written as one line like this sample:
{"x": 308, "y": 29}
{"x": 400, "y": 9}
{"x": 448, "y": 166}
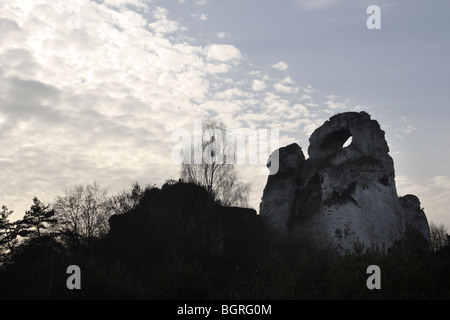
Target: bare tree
{"x": 211, "y": 168}
{"x": 83, "y": 212}
{"x": 439, "y": 236}
{"x": 127, "y": 200}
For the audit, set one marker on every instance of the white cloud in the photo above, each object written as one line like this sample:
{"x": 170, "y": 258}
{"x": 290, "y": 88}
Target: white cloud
{"x": 308, "y": 89}
{"x": 305, "y": 97}
{"x": 281, "y": 65}
{"x": 288, "y": 80}
{"x": 201, "y": 2}
{"x": 280, "y": 87}
{"x": 309, "y": 128}
{"x": 274, "y": 103}
{"x": 223, "y": 53}
{"x": 433, "y": 195}
{"x": 301, "y": 110}
{"x": 232, "y": 93}
{"x": 223, "y": 35}
{"x": 286, "y": 86}
{"x": 442, "y": 182}
{"x": 311, "y": 5}
{"x": 122, "y": 3}
{"x": 334, "y": 105}
{"x": 408, "y": 127}
{"x": 362, "y": 108}
{"x": 200, "y": 16}
{"x": 163, "y": 24}
{"x": 331, "y": 96}
{"x": 258, "y": 85}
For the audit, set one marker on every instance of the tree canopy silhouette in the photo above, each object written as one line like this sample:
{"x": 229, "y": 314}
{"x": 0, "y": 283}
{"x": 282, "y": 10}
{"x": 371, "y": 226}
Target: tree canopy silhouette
{"x": 83, "y": 212}
{"x": 39, "y": 217}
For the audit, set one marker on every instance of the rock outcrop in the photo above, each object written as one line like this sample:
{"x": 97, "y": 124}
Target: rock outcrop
{"x": 342, "y": 195}
{"x": 417, "y": 230}
{"x": 183, "y": 218}
{"x": 281, "y": 189}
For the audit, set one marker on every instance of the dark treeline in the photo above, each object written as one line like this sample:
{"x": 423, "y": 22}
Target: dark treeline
{"x": 178, "y": 242}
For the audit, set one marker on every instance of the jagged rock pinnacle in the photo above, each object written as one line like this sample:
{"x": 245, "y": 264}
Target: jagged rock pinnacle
{"x": 341, "y": 195}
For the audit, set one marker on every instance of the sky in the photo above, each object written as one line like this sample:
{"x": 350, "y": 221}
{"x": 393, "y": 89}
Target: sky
{"x": 94, "y": 91}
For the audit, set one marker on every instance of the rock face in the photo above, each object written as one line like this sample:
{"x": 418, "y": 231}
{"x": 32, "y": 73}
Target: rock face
{"x": 417, "y": 230}
{"x": 341, "y": 194}
{"x": 281, "y": 189}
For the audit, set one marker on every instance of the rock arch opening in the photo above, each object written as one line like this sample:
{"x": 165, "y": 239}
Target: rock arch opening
{"x": 336, "y": 140}
{"x": 348, "y": 142}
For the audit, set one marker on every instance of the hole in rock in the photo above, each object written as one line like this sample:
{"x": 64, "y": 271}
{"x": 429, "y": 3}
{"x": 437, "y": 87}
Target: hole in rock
{"x": 336, "y": 140}
{"x": 347, "y": 143}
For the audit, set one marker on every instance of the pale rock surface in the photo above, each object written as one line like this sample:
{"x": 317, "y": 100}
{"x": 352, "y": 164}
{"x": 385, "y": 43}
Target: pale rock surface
{"x": 341, "y": 195}
{"x": 282, "y": 187}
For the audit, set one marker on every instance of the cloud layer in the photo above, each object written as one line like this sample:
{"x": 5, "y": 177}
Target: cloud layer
{"x": 93, "y": 90}
{"x": 311, "y": 5}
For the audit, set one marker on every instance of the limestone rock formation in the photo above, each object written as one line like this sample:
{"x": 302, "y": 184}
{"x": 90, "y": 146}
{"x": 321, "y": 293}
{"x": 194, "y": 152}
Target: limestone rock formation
{"x": 282, "y": 188}
{"x": 417, "y": 230}
{"x": 341, "y": 194}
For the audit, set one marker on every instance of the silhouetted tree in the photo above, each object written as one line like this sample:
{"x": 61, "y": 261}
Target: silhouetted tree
{"x": 35, "y": 270}
{"x": 8, "y": 233}
{"x": 39, "y": 217}
{"x": 439, "y": 236}
{"x": 83, "y": 212}
{"x": 212, "y": 170}
{"x": 126, "y": 200}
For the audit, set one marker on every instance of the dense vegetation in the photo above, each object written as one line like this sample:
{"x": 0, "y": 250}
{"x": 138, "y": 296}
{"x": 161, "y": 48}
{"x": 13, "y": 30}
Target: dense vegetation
{"x": 177, "y": 242}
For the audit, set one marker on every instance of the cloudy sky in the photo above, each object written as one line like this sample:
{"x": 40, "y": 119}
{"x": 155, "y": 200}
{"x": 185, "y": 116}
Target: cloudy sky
{"x": 94, "y": 90}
